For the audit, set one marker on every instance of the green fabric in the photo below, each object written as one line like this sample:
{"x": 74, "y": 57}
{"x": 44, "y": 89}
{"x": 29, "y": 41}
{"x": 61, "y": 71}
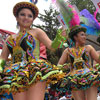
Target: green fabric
{"x": 2, "y": 64}
{"x": 59, "y": 39}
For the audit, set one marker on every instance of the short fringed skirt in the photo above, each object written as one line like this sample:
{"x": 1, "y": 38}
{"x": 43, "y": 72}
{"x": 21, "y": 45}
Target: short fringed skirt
{"x": 20, "y": 76}
{"x": 78, "y": 80}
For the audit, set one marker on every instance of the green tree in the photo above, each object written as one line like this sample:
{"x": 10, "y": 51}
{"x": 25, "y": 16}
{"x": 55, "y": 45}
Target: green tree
{"x": 50, "y": 26}
{"x": 84, "y": 4}
{"x": 50, "y": 22}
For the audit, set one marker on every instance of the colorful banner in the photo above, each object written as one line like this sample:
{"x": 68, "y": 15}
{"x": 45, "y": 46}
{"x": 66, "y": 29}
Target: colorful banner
{"x": 97, "y": 4}
{"x": 62, "y": 22}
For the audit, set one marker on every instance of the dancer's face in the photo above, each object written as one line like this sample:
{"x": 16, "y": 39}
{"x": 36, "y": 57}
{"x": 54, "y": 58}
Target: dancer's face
{"x": 25, "y": 18}
{"x": 80, "y": 38}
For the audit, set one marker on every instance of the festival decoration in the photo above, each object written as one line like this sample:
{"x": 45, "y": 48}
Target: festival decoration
{"x": 68, "y": 12}
{"x": 90, "y": 22}
{"x": 34, "y": 1}
{"x": 62, "y": 21}
{"x": 54, "y": 1}
{"x": 68, "y": 17}
{"x": 96, "y": 4}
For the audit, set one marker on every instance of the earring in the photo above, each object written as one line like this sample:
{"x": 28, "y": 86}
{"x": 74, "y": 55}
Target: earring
{"x": 17, "y": 26}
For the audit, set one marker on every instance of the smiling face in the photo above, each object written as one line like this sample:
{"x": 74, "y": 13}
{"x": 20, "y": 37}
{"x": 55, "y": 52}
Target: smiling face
{"x": 80, "y": 38}
{"x": 25, "y": 18}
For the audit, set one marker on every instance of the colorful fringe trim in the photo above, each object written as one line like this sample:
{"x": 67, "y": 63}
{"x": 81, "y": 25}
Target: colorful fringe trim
{"x": 20, "y": 76}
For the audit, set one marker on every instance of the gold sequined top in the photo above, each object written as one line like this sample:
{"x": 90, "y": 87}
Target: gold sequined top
{"x": 24, "y": 48}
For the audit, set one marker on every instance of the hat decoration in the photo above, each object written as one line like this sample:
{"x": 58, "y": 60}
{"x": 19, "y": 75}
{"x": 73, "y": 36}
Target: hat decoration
{"x": 29, "y": 5}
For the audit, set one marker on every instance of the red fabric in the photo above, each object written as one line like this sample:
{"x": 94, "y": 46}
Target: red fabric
{"x": 6, "y": 32}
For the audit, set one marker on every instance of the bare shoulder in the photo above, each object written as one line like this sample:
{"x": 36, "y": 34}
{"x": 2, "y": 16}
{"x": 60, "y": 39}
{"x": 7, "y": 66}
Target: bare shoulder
{"x": 89, "y": 48}
{"x": 37, "y": 30}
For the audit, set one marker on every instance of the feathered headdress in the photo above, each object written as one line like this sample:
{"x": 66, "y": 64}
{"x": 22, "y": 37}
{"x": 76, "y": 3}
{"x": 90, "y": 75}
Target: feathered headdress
{"x": 69, "y": 14}
{"x": 90, "y": 22}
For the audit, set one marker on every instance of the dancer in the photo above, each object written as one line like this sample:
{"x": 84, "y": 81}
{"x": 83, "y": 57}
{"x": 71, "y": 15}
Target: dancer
{"x": 27, "y": 74}
{"x": 95, "y": 64}
{"x": 82, "y": 80}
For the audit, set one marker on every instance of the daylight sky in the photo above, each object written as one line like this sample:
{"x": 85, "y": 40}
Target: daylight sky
{"x": 8, "y": 21}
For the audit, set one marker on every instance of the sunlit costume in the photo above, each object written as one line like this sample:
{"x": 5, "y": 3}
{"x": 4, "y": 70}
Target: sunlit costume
{"x": 26, "y": 66}
{"x": 82, "y": 74}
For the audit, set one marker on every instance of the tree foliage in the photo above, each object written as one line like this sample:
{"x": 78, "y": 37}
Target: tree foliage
{"x": 50, "y": 22}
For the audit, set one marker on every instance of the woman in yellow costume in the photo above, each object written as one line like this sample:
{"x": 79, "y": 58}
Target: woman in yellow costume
{"x": 27, "y": 74}
{"x": 83, "y": 79}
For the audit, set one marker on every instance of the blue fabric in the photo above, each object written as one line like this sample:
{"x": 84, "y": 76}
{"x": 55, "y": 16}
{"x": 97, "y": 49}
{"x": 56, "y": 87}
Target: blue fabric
{"x": 91, "y": 30}
{"x": 6, "y": 97}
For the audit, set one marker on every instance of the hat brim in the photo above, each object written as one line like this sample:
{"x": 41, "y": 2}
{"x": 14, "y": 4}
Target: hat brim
{"x": 76, "y": 30}
{"x": 29, "y": 5}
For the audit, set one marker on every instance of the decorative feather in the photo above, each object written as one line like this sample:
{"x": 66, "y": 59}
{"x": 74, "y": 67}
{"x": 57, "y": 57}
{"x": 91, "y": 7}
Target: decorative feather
{"x": 91, "y": 30}
{"x": 95, "y": 13}
{"x": 53, "y": 1}
{"x": 91, "y": 20}
{"x": 65, "y": 11}
{"x": 69, "y": 14}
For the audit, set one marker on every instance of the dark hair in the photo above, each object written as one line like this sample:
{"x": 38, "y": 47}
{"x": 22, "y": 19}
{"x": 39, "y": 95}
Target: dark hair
{"x": 75, "y": 30}
{"x": 72, "y": 36}
{"x": 98, "y": 39}
{"x": 23, "y": 8}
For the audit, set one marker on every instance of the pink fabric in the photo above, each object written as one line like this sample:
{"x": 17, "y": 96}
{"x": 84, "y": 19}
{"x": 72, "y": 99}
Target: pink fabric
{"x": 53, "y": 1}
{"x": 43, "y": 51}
{"x": 76, "y": 19}
{"x": 5, "y": 31}
{"x": 95, "y": 13}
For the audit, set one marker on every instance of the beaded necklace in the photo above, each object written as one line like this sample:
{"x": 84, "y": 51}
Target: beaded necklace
{"x": 77, "y": 52}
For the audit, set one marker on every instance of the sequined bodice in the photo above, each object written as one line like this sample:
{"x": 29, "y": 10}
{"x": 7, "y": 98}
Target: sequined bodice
{"x": 24, "y": 48}
{"x": 79, "y": 58}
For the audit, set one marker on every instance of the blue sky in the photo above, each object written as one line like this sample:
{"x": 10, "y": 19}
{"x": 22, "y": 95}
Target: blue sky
{"x": 8, "y": 21}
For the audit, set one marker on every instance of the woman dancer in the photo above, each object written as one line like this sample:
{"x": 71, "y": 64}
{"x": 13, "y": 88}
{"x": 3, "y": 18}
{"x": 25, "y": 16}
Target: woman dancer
{"x": 82, "y": 80}
{"x": 27, "y": 74}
